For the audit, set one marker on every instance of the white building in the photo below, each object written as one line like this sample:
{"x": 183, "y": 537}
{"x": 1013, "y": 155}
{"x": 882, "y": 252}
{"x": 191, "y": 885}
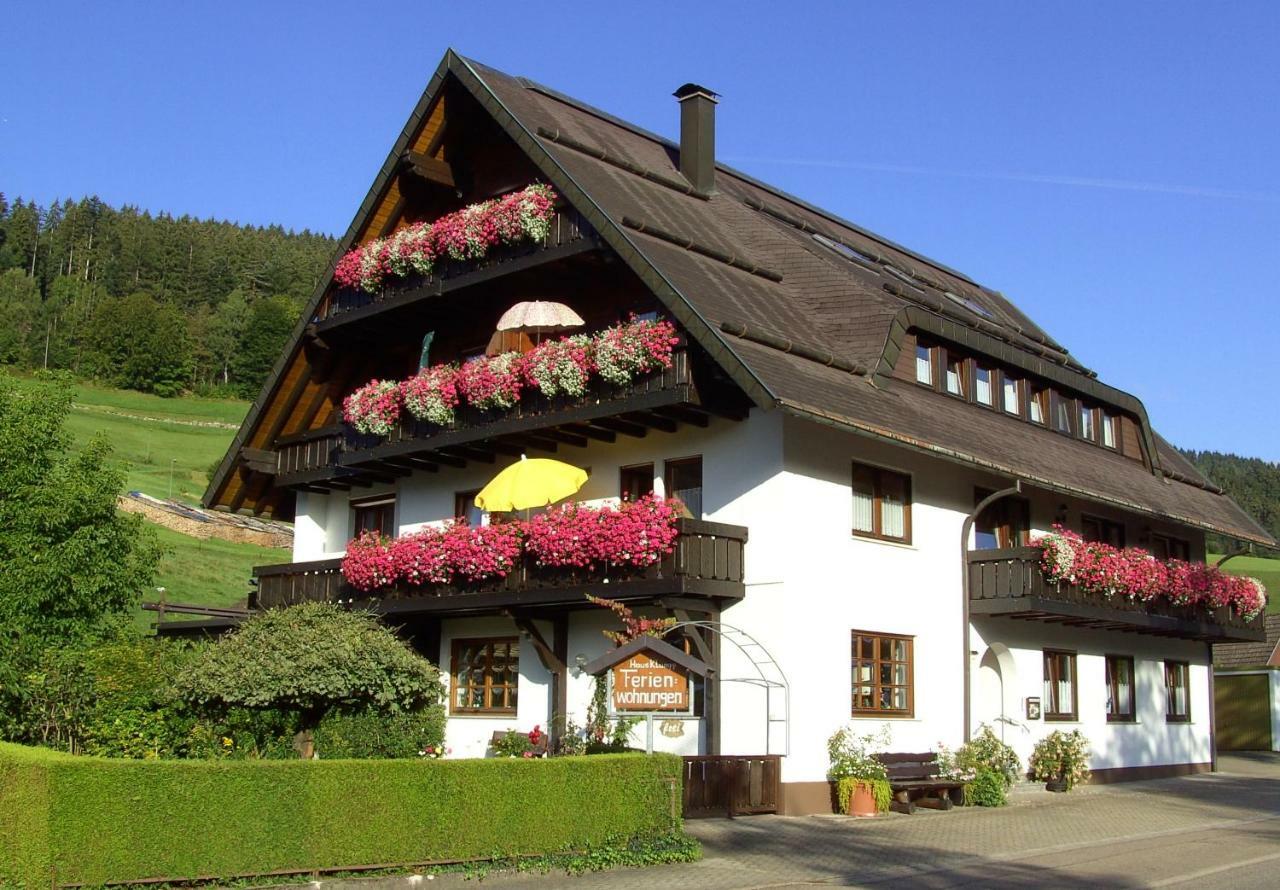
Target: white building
{"x": 837, "y": 407}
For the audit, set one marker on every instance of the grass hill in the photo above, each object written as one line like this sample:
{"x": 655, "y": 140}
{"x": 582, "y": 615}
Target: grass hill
{"x": 167, "y": 448}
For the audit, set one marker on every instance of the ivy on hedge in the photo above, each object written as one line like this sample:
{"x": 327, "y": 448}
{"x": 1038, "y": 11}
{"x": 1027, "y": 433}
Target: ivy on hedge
{"x": 90, "y": 820}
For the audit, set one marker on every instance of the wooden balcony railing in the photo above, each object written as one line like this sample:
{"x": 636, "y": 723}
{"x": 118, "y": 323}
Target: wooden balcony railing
{"x": 707, "y": 561}
{"x": 569, "y": 232}
{"x": 1009, "y": 582}
{"x": 300, "y": 457}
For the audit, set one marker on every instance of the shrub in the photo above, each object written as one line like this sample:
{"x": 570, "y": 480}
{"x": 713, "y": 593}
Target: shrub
{"x": 310, "y": 659}
{"x": 370, "y": 735}
{"x": 1061, "y": 757}
{"x": 988, "y": 789}
{"x": 986, "y": 751}
{"x": 96, "y": 820}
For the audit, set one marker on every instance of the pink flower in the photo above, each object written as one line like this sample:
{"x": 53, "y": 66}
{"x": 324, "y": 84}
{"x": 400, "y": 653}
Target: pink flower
{"x": 1133, "y": 572}
{"x": 466, "y": 234}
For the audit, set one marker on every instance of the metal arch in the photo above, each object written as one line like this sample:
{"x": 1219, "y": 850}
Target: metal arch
{"x": 737, "y": 635}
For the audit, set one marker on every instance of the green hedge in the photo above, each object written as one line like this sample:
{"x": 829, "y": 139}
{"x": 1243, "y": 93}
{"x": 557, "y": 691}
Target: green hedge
{"x": 90, "y": 820}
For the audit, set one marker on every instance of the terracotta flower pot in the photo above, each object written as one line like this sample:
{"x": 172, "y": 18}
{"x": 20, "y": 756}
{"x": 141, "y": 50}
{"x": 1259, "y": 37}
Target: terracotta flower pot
{"x": 862, "y": 802}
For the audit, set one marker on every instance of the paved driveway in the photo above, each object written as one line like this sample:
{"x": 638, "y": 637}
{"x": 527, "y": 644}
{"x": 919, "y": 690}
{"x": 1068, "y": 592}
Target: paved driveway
{"x": 1220, "y": 830}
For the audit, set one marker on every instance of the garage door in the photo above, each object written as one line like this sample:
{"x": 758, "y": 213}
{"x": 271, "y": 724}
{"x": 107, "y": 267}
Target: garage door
{"x": 1243, "y": 706}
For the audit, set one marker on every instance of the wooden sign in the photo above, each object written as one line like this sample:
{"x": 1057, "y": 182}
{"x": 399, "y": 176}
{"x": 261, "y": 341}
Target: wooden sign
{"x": 647, "y": 682}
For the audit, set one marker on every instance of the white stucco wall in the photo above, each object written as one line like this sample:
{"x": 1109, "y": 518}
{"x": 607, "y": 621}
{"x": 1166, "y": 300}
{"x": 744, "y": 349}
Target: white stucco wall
{"x": 809, "y": 583}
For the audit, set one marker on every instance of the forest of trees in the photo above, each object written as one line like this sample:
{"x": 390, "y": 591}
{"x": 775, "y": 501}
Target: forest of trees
{"x": 1252, "y": 483}
{"x": 155, "y": 303}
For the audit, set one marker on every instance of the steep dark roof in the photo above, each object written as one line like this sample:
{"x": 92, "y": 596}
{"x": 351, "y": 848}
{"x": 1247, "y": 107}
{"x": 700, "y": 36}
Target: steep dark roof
{"x": 746, "y": 257}
{"x": 1251, "y": 655}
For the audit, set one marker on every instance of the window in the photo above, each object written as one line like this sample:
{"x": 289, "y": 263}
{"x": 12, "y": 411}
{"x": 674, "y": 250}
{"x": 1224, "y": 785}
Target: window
{"x": 1165, "y": 547}
{"x": 484, "y": 676}
{"x": 983, "y": 385}
{"x": 1062, "y": 410}
{"x": 465, "y": 509}
{"x": 955, "y": 375}
{"x": 374, "y": 515}
{"x": 1059, "y": 685}
{"x": 881, "y": 504}
{"x": 1038, "y": 406}
{"x": 1086, "y": 428}
{"x": 1012, "y": 395}
{"x": 1109, "y": 423}
{"x": 1006, "y": 523}
{"x": 1120, "y": 692}
{"x": 882, "y": 675}
{"x": 636, "y": 481}
{"x": 924, "y": 364}
{"x": 683, "y": 480}
{"x": 1102, "y": 531}
{"x": 1177, "y": 690}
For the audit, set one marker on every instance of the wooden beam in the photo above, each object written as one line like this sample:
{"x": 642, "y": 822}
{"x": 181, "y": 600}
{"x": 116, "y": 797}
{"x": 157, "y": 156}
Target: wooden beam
{"x": 564, "y": 438}
{"x": 591, "y": 432}
{"x": 259, "y": 460}
{"x": 627, "y": 428}
{"x": 448, "y": 460}
{"x": 501, "y": 446}
{"x": 475, "y": 453}
{"x": 413, "y": 463}
{"x": 663, "y": 424}
{"x": 531, "y": 442}
{"x": 685, "y": 415}
{"x": 431, "y": 169}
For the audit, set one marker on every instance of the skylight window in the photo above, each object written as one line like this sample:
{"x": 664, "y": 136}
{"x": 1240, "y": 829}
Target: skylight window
{"x": 844, "y": 250}
{"x": 971, "y": 305}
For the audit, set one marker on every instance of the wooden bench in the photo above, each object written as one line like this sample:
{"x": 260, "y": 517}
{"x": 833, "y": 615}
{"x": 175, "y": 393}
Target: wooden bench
{"x": 539, "y": 750}
{"x": 915, "y": 782}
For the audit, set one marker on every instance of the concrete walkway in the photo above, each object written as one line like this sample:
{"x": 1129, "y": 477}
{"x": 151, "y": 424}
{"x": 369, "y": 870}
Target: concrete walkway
{"x": 1210, "y": 830}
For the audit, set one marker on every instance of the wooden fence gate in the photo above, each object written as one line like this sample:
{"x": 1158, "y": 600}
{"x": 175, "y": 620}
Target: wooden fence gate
{"x": 732, "y": 785}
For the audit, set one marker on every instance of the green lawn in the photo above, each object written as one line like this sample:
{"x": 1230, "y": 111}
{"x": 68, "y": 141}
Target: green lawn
{"x": 209, "y": 572}
{"x": 1265, "y": 570}
{"x": 162, "y": 449}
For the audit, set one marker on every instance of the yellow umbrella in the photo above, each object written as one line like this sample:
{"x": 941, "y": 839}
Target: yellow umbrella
{"x": 530, "y": 483}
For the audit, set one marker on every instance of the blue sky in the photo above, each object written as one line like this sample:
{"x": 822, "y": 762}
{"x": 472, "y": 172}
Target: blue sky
{"x": 1110, "y": 167}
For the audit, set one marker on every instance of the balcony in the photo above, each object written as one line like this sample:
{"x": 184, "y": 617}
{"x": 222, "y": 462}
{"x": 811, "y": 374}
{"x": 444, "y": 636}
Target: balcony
{"x": 1010, "y": 584}
{"x": 707, "y": 562}
{"x": 337, "y": 456}
{"x": 570, "y": 235}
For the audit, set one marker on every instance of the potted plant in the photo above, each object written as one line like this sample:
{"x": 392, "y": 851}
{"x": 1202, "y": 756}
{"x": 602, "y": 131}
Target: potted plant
{"x": 862, "y": 786}
{"x": 1061, "y": 760}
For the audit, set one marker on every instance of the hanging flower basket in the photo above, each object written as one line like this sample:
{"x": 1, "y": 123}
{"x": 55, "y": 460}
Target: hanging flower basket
{"x": 373, "y": 409}
{"x": 1132, "y": 572}
{"x": 467, "y": 234}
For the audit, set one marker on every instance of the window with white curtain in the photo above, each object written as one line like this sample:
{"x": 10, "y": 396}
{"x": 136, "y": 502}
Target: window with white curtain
{"x": 924, "y": 364}
{"x": 1012, "y": 396}
{"x": 1059, "y": 685}
{"x": 1108, "y": 430}
{"x": 983, "y": 392}
{"x": 1120, "y": 691}
{"x": 1177, "y": 685}
{"x": 881, "y": 503}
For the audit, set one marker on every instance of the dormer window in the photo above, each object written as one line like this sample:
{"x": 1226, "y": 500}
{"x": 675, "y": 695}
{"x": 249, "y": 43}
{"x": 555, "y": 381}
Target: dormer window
{"x": 955, "y": 375}
{"x": 1062, "y": 408}
{"x": 1012, "y": 395}
{"x": 983, "y": 385}
{"x": 1039, "y": 404}
{"x": 1087, "y": 430}
{"x": 1108, "y": 430}
{"x": 924, "y": 364}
